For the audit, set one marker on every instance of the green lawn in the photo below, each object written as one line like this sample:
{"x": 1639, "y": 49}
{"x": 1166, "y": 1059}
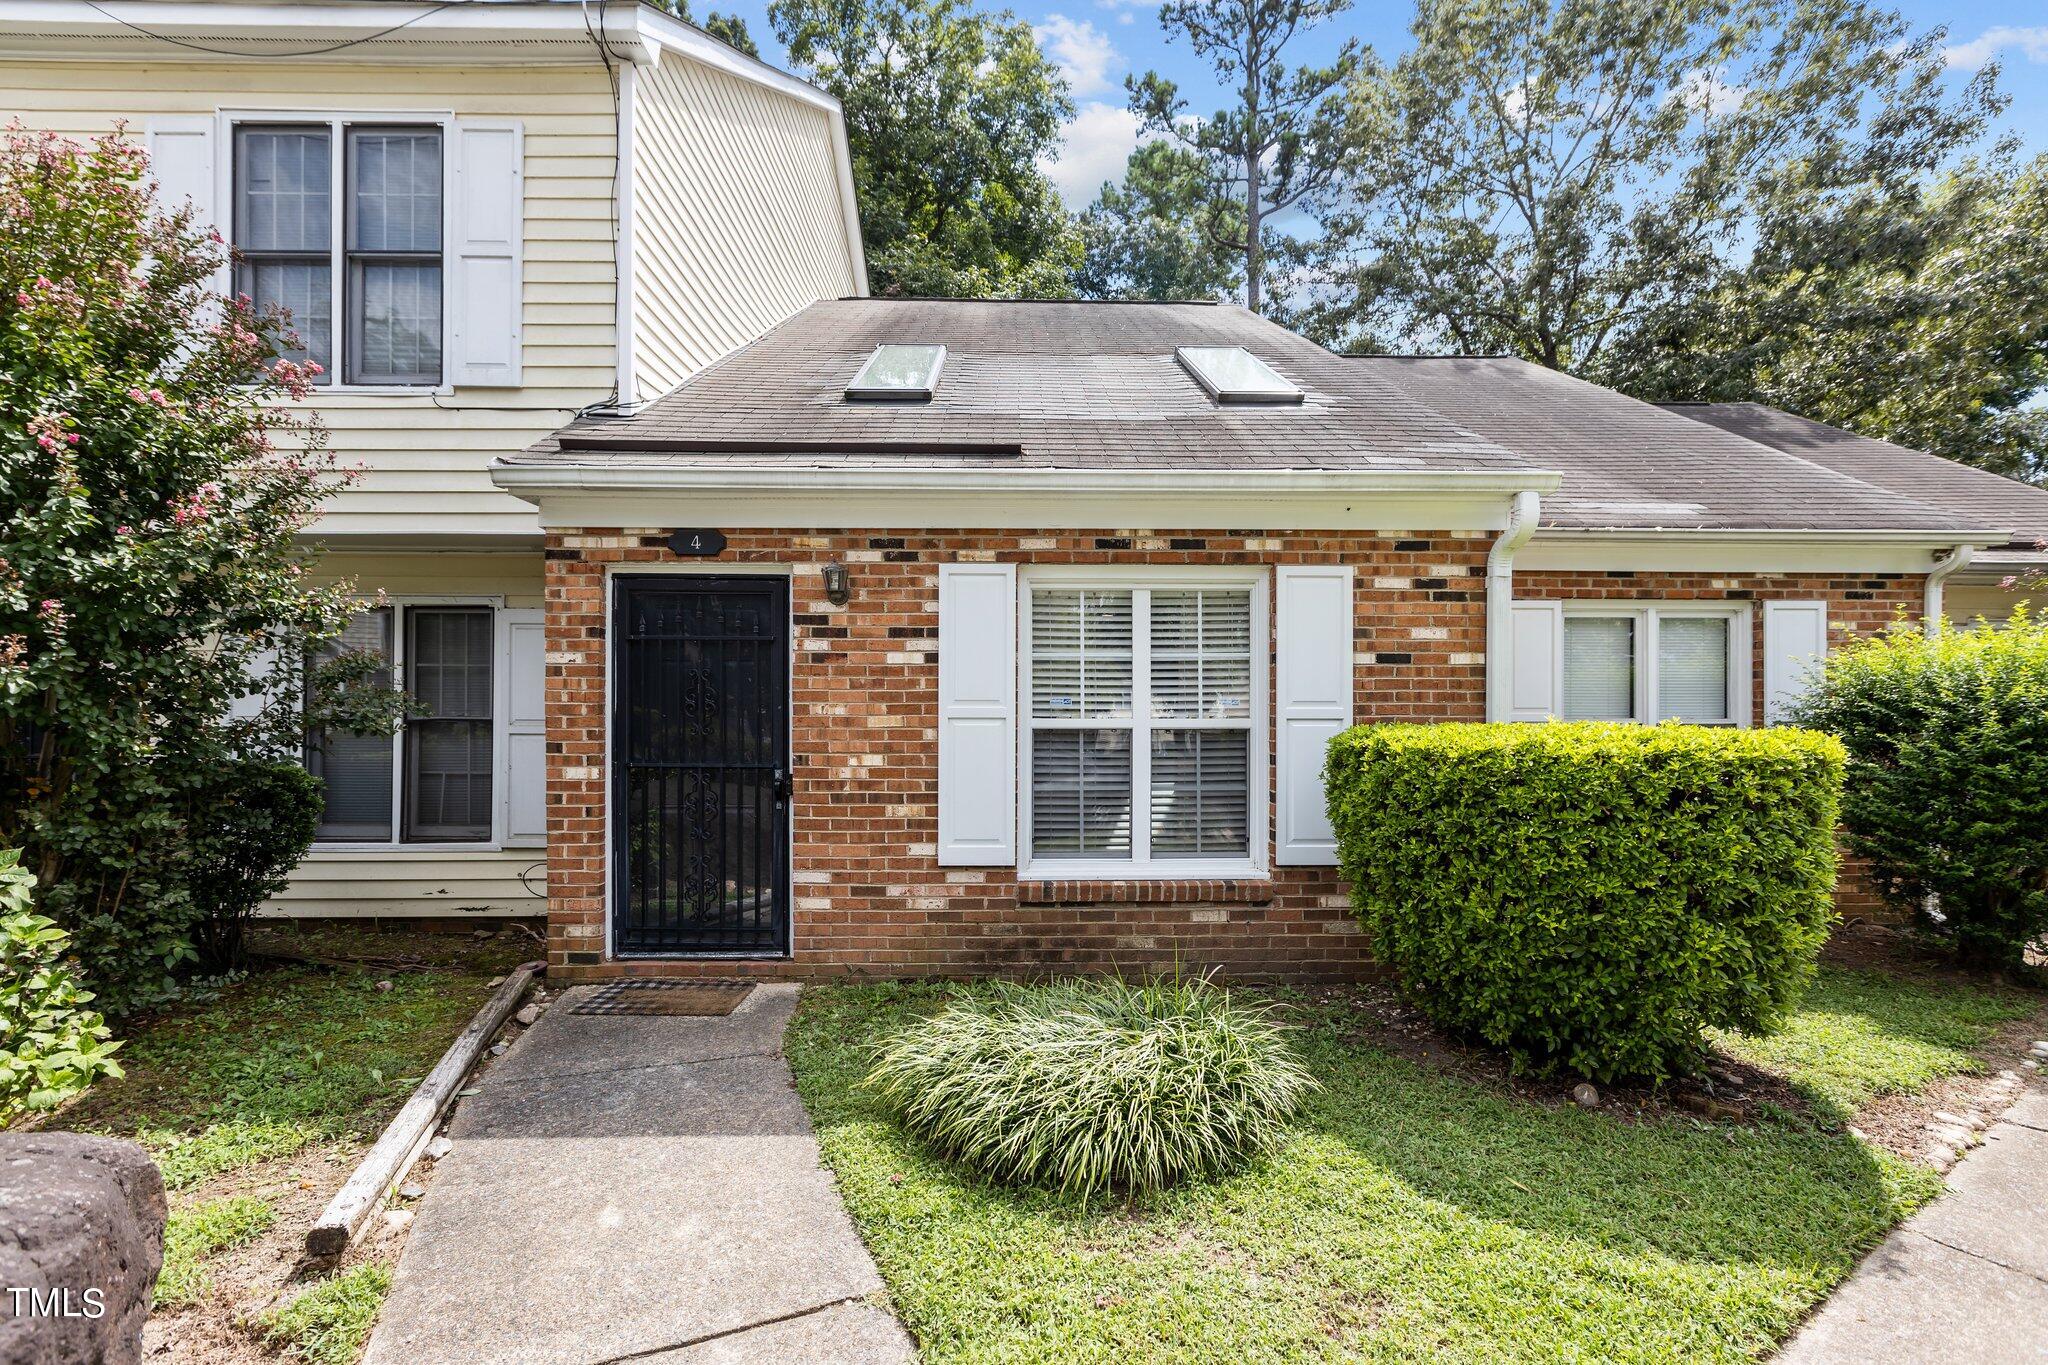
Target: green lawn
{"x": 228, "y": 1093}
{"x": 1862, "y": 1034}
{"x": 1412, "y": 1216}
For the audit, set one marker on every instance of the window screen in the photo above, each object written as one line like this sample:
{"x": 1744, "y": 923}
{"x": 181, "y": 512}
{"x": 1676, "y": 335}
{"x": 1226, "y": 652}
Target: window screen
{"x": 283, "y": 230}
{"x": 355, "y": 770}
{"x": 1599, "y": 668}
{"x": 394, "y": 255}
{"x": 1692, "y": 668}
{"x": 448, "y": 744}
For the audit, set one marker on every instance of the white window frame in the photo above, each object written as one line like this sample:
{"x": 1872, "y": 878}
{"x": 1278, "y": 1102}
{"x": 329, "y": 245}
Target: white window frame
{"x": 1646, "y": 614}
{"x": 337, "y": 122}
{"x": 1140, "y": 866}
{"x": 500, "y": 748}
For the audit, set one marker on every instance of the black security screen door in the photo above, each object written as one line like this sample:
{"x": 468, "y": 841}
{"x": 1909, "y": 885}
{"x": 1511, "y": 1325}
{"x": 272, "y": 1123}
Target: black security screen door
{"x": 701, "y": 765}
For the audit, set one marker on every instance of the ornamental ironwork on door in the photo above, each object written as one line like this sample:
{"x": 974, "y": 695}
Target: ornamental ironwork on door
{"x": 700, "y": 765}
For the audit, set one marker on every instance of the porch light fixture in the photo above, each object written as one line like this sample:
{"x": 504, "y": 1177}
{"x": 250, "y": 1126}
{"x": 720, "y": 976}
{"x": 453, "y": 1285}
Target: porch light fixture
{"x": 898, "y": 374}
{"x": 1231, "y": 374}
{"x": 838, "y": 585}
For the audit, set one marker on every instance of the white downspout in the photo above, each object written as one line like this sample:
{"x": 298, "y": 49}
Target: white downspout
{"x": 1944, "y": 565}
{"x": 1500, "y": 596}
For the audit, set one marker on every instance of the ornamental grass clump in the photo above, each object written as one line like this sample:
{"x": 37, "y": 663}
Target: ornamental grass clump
{"x": 1094, "y": 1085}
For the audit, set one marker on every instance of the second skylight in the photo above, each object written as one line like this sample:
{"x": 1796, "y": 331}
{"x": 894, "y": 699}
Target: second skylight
{"x": 1232, "y": 374}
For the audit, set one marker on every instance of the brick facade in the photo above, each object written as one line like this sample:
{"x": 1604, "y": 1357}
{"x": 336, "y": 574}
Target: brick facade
{"x": 869, "y": 897}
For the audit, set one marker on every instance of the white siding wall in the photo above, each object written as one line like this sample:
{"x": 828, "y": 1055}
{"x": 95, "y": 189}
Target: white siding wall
{"x": 425, "y": 458}
{"x": 737, "y": 215}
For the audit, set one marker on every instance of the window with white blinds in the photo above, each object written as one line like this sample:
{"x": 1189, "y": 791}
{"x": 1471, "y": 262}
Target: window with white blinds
{"x": 1145, "y": 703}
{"x": 1644, "y": 662}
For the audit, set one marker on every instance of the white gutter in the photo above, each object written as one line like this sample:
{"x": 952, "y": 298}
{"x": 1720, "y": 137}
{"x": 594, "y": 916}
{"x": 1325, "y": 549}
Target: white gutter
{"x": 1500, "y": 596}
{"x": 739, "y": 478}
{"x": 626, "y": 330}
{"x": 1944, "y": 565}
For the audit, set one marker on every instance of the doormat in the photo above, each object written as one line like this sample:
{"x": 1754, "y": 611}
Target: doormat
{"x": 664, "y": 997}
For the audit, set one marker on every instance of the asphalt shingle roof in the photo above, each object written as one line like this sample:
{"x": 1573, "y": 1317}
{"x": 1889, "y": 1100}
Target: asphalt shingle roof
{"x": 1095, "y": 386}
{"x": 1064, "y": 385}
{"x": 1991, "y": 500}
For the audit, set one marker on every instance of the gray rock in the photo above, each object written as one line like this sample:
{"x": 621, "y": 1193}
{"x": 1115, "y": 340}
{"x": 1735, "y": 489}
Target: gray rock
{"x": 1586, "y": 1095}
{"x": 439, "y": 1147}
{"x": 411, "y": 1191}
{"x": 527, "y": 1014}
{"x": 81, "y": 1241}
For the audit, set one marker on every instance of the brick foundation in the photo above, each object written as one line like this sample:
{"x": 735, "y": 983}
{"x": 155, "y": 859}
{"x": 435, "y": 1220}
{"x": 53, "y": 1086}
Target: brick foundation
{"x": 869, "y": 897}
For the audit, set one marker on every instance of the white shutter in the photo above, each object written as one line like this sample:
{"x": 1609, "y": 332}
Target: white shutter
{"x": 1312, "y": 703}
{"x": 977, "y": 715}
{"x": 1795, "y": 641}
{"x": 522, "y": 704}
{"x": 183, "y": 160}
{"x": 484, "y": 256}
{"x": 1535, "y": 661}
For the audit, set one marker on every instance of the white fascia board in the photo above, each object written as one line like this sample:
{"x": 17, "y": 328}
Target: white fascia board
{"x": 1742, "y": 551}
{"x": 1069, "y": 499}
{"x": 672, "y": 34}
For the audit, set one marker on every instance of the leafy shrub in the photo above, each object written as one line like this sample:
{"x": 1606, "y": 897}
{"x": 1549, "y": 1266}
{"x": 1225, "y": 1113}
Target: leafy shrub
{"x": 254, "y": 820}
{"x": 1094, "y": 1085}
{"x": 155, "y": 477}
{"x": 51, "y": 1046}
{"x": 1591, "y": 896}
{"x": 1947, "y": 782}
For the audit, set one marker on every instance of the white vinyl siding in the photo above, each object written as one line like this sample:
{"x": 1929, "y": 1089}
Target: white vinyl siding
{"x": 737, "y": 216}
{"x": 425, "y": 454}
{"x": 1143, "y": 734}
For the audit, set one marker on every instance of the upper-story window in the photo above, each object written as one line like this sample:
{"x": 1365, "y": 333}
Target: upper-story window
{"x": 340, "y": 224}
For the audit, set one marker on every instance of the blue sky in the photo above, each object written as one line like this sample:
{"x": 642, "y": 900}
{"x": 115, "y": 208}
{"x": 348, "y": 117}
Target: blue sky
{"x": 1098, "y": 42}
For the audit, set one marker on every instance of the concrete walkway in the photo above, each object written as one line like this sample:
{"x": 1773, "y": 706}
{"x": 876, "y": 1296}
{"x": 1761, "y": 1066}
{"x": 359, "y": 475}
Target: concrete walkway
{"x": 1966, "y": 1279}
{"x": 636, "y": 1188}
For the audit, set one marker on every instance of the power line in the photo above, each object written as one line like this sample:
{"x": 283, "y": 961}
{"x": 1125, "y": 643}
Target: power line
{"x": 303, "y": 52}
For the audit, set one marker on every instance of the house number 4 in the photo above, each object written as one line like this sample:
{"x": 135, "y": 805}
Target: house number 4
{"x": 697, "y": 542}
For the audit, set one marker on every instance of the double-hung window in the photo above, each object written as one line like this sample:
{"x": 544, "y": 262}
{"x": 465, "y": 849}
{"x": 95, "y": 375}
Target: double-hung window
{"x": 431, "y": 782}
{"x": 1144, "y": 726}
{"x": 339, "y": 222}
{"x": 1639, "y": 662}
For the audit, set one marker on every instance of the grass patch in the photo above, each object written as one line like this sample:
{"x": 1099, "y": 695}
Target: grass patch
{"x": 204, "y": 1230}
{"x": 1859, "y": 1035}
{"x": 1409, "y": 1215}
{"x": 330, "y": 1323}
{"x": 275, "y": 1062}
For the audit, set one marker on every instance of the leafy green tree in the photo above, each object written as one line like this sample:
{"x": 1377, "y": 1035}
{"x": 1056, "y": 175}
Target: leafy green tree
{"x": 1917, "y": 314}
{"x": 1280, "y": 143}
{"x": 1155, "y": 235}
{"x": 155, "y": 474}
{"x": 731, "y": 30}
{"x": 1542, "y": 176}
{"x": 949, "y": 110}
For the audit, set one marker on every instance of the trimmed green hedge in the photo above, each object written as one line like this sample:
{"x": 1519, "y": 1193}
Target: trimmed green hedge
{"x": 1591, "y": 896}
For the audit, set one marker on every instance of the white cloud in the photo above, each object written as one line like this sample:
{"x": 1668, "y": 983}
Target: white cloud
{"x": 1082, "y": 50}
{"x": 1094, "y": 146}
{"x": 2031, "y": 42}
{"x": 1128, "y": 10}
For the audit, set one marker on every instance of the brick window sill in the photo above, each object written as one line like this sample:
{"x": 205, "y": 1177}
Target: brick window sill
{"x": 1145, "y": 893}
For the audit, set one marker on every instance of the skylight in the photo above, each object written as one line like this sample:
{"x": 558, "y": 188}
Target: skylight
{"x": 898, "y": 374}
{"x": 1232, "y": 374}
